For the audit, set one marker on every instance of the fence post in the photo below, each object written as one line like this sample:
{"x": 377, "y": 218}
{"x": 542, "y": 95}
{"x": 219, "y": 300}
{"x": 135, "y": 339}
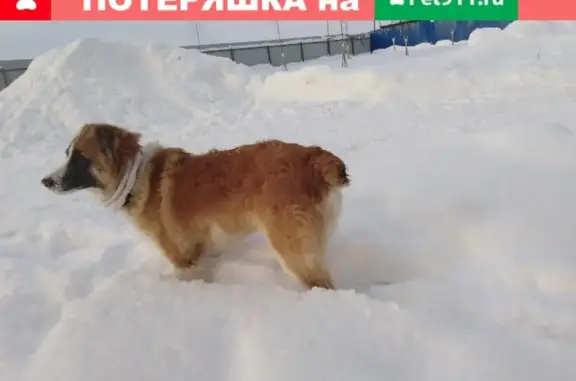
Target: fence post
{"x": 406, "y": 45}
{"x": 232, "y": 57}
{"x": 352, "y": 46}
{"x": 269, "y": 54}
{"x": 4, "y": 77}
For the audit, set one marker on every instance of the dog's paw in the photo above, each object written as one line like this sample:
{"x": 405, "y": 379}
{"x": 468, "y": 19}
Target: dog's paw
{"x": 176, "y": 274}
{"x": 188, "y": 274}
{"x": 167, "y": 277}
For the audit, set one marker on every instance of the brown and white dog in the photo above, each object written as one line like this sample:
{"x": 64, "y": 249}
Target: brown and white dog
{"x": 188, "y": 204}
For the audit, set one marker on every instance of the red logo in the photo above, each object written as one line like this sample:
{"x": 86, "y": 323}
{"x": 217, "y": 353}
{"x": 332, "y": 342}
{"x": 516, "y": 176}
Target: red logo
{"x": 24, "y": 10}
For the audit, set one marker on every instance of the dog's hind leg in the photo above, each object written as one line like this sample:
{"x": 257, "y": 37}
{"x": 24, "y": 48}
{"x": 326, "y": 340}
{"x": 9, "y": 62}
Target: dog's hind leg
{"x": 332, "y": 208}
{"x": 299, "y": 242}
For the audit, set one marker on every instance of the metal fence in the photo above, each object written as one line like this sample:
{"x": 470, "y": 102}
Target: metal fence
{"x": 10, "y": 70}
{"x": 272, "y": 52}
{"x": 280, "y": 52}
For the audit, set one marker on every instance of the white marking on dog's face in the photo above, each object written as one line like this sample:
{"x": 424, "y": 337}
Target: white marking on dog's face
{"x": 74, "y": 175}
{"x": 53, "y": 181}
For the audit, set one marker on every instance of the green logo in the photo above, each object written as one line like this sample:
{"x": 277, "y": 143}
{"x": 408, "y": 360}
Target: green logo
{"x": 456, "y": 10}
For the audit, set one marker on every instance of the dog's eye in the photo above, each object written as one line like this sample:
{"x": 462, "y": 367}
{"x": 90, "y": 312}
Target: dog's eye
{"x": 78, "y": 160}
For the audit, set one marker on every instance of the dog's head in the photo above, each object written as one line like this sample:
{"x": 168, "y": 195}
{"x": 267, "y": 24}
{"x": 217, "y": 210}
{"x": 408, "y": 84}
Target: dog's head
{"x": 95, "y": 159}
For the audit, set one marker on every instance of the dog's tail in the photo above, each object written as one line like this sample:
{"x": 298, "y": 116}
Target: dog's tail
{"x": 330, "y": 167}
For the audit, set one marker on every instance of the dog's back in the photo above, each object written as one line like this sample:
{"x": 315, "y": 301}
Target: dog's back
{"x": 256, "y": 175}
{"x": 288, "y": 191}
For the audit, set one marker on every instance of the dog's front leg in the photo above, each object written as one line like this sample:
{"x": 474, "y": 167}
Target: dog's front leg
{"x": 184, "y": 261}
{"x": 187, "y": 268}
{"x": 203, "y": 266}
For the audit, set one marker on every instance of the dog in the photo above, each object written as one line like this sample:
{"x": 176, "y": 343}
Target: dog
{"x": 190, "y": 203}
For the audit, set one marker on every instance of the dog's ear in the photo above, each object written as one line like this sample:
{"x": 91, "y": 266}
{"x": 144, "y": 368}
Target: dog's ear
{"x": 108, "y": 141}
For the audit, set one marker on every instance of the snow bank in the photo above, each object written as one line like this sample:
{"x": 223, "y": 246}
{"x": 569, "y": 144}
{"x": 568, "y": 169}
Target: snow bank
{"x": 485, "y": 36}
{"x": 390, "y": 73}
{"x": 91, "y": 80}
{"x": 462, "y": 162}
{"x": 548, "y": 30}
{"x": 322, "y": 84}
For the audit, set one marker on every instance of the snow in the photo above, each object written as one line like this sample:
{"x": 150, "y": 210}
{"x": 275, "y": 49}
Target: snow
{"x": 455, "y": 256}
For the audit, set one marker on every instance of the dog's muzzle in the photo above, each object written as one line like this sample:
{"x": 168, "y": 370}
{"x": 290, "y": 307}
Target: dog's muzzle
{"x": 74, "y": 175}
{"x": 55, "y": 180}
{"x": 48, "y": 182}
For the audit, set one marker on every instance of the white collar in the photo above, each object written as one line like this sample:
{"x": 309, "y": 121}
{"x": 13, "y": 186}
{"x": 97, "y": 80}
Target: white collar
{"x": 117, "y": 200}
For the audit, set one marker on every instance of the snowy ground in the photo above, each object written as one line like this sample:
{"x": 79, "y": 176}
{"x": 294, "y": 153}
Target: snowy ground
{"x": 463, "y": 166}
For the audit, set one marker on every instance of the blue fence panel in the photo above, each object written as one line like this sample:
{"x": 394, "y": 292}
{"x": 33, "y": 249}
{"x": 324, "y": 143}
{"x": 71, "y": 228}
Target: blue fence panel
{"x": 427, "y": 31}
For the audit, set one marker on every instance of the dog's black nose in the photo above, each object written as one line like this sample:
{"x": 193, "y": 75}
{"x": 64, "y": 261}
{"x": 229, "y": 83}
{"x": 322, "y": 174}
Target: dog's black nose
{"x": 48, "y": 182}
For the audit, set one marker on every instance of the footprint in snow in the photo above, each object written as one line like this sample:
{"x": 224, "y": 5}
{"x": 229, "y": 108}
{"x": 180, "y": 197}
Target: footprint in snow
{"x": 83, "y": 280}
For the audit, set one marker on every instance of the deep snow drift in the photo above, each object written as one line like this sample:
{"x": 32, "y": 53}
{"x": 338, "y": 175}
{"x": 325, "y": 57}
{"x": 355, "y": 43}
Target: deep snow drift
{"x": 463, "y": 166}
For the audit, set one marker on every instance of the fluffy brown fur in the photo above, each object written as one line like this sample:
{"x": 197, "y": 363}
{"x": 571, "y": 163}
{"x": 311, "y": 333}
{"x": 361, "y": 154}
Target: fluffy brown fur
{"x": 189, "y": 203}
